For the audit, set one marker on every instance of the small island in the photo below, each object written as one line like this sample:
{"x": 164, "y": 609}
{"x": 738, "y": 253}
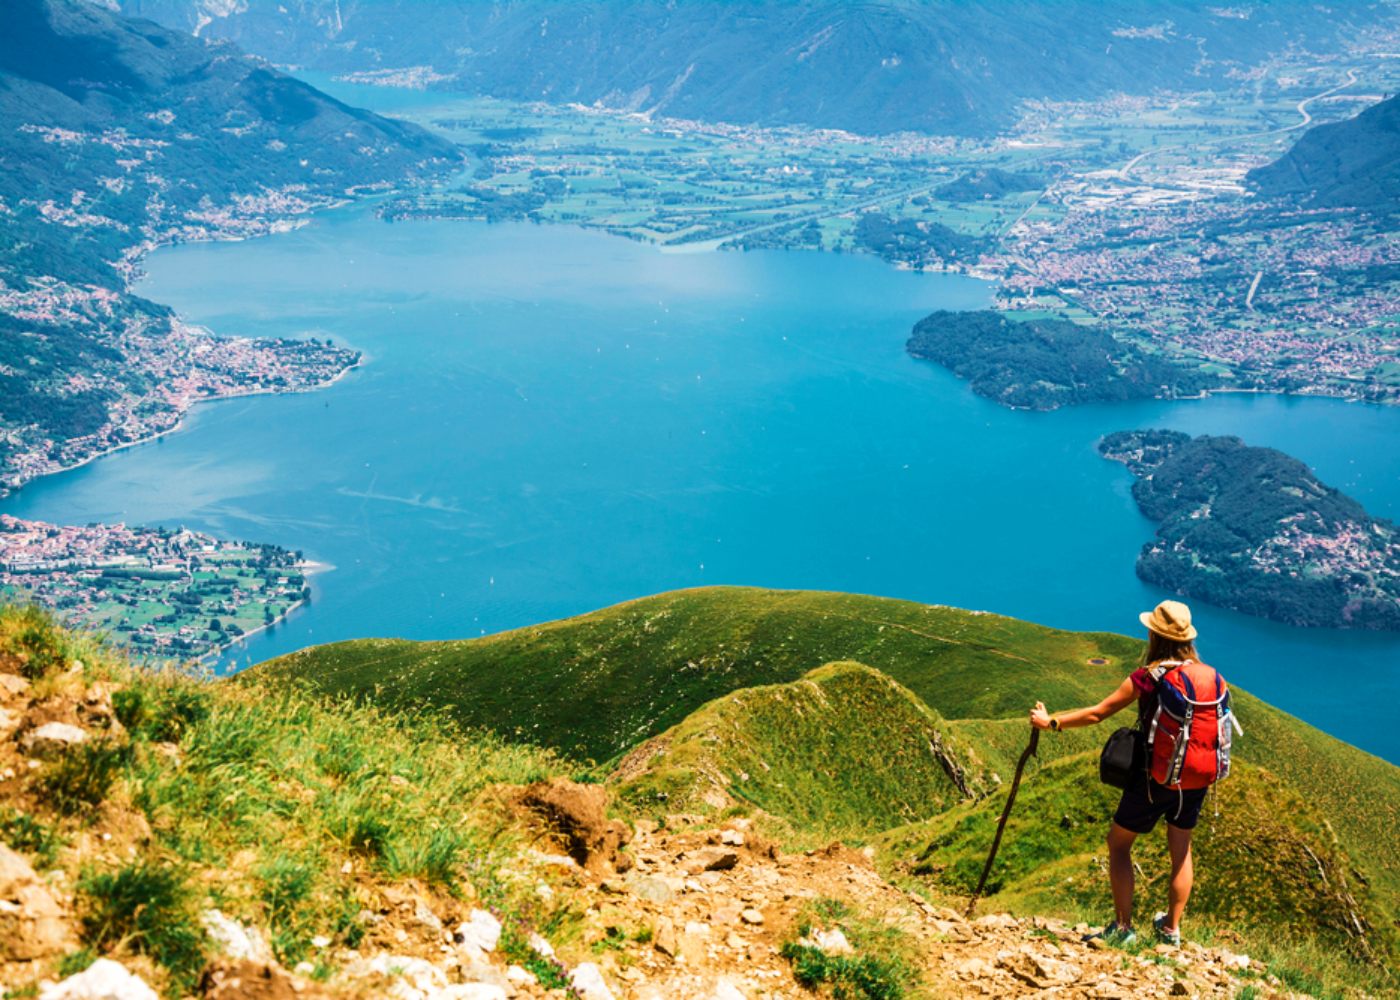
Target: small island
{"x": 1043, "y": 364}
{"x": 1254, "y": 530}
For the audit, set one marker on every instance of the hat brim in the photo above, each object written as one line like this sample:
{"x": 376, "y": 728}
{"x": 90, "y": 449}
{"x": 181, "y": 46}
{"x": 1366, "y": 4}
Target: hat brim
{"x": 1146, "y": 619}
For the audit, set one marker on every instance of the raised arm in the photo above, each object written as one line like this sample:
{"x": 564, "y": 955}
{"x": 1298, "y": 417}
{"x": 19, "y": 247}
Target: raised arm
{"x": 1120, "y": 699}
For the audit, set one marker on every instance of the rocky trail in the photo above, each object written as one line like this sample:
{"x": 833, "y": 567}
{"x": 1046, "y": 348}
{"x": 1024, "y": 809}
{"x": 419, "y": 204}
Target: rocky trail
{"x": 677, "y": 910}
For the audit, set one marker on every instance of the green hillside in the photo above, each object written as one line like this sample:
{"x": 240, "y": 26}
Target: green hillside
{"x": 841, "y": 748}
{"x": 600, "y": 684}
{"x": 288, "y": 813}
{"x": 338, "y": 840}
{"x": 845, "y": 752}
{"x": 596, "y": 685}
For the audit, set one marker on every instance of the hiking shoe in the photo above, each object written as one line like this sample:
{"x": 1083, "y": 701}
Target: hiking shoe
{"x": 1114, "y": 935}
{"x": 1159, "y": 924}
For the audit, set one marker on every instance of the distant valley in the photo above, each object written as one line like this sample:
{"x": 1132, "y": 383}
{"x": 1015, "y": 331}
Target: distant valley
{"x": 883, "y": 66}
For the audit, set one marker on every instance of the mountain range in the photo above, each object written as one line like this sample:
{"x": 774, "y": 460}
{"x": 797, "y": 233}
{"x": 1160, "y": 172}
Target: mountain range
{"x": 875, "y": 65}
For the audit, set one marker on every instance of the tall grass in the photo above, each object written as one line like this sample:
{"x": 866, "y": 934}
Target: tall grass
{"x": 146, "y": 907}
{"x": 882, "y": 966}
{"x": 288, "y": 811}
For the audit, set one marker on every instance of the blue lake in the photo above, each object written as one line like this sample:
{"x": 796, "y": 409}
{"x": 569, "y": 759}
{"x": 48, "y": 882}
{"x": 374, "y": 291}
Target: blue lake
{"x": 550, "y": 420}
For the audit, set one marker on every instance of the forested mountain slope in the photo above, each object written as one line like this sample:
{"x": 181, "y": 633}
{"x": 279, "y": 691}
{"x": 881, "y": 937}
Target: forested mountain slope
{"x": 1348, "y": 164}
{"x": 876, "y": 65}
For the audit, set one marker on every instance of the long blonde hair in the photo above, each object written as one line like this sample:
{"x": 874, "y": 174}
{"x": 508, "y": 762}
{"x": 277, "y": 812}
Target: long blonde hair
{"x": 1160, "y": 648}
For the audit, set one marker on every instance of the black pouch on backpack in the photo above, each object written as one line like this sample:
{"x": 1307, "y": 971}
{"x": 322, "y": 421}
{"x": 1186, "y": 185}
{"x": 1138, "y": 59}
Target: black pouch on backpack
{"x": 1124, "y": 757}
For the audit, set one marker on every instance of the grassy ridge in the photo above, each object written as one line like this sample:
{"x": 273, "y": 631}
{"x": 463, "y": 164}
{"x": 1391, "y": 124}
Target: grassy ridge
{"x": 597, "y": 685}
{"x": 841, "y": 748}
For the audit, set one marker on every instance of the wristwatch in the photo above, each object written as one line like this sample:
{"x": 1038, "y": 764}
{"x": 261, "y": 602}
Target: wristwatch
{"x": 1054, "y": 724}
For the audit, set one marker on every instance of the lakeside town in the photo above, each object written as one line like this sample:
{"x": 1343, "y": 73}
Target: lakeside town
{"x": 163, "y": 367}
{"x": 175, "y": 594}
{"x": 88, "y": 367}
{"x": 1265, "y": 296}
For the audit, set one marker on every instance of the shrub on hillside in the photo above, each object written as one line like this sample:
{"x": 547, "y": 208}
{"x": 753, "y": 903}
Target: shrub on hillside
{"x": 34, "y": 640}
{"x": 23, "y": 832}
{"x": 83, "y": 775}
{"x": 144, "y": 906}
{"x": 162, "y": 710}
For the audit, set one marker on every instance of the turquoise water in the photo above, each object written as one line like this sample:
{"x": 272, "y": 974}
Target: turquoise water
{"x": 551, "y": 420}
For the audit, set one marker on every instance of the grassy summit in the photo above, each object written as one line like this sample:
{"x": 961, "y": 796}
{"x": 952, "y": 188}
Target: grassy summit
{"x": 596, "y": 685}
{"x": 602, "y": 684}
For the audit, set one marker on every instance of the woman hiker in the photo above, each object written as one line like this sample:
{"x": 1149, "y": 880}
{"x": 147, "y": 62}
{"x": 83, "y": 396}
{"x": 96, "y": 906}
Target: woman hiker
{"x": 1172, "y": 783}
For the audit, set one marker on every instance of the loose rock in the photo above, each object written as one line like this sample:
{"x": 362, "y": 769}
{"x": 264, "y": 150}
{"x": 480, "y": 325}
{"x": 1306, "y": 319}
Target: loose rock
{"x": 833, "y": 942}
{"x": 245, "y": 980}
{"x": 102, "y": 980}
{"x": 663, "y": 937}
{"x": 656, "y": 889}
{"x": 479, "y": 933}
{"x": 710, "y": 859}
{"x": 237, "y": 941}
{"x": 588, "y": 983}
{"x": 32, "y": 923}
{"x": 51, "y": 739}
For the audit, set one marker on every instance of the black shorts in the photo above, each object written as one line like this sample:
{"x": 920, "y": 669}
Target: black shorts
{"x": 1144, "y": 802}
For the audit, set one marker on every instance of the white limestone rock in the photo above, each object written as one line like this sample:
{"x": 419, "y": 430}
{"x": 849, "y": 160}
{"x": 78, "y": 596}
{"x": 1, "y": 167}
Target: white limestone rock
{"x": 236, "y": 940}
{"x": 588, "y": 982}
{"x": 479, "y": 933}
{"x": 833, "y": 942}
{"x": 725, "y": 990}
{"x": 51, "y": 739}
{"x": 102, "y": 980}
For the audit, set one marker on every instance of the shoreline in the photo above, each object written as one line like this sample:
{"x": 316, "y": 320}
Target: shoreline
{"x": 309, "y": 568}
{"x": 211, "y": 657}
{"x": 132, "y": 270}
{"x": 179, "y": 424}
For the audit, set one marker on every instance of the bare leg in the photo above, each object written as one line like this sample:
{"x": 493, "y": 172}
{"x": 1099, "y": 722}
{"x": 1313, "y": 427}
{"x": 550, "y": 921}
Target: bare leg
{"x": 1183, "y": 873}
{"x": 1120, "y": 872}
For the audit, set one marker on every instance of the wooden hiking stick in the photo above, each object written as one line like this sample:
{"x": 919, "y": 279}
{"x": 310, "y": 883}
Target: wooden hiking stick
{"x": 1026, "y": 755}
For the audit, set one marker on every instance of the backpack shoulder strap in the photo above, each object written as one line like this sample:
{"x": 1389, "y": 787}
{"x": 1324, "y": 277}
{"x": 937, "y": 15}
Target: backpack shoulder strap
{"x": 1221, "y": 692}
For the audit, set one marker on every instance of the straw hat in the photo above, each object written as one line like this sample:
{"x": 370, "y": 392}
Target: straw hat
{"x": 1171, "y": 620}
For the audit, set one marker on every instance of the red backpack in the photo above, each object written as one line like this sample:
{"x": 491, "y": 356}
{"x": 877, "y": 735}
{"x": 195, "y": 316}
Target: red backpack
{"x": 1189, "y": 736}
